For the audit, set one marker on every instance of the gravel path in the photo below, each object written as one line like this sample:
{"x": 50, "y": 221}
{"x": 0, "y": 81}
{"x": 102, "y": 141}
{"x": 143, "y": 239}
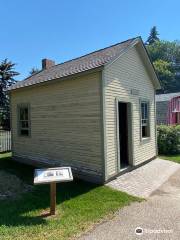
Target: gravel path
{"x": 158, "y": 216}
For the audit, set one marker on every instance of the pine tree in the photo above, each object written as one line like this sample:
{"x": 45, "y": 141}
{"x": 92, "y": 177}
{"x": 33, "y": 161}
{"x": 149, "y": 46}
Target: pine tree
{"x": 7, "y": 75}
{"x": 153, "y": 36}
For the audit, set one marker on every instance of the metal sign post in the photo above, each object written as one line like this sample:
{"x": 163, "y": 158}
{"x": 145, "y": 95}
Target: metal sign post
{"x": 52, "y": 176}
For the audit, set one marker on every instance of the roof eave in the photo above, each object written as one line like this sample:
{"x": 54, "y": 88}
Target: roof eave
{"x": 137, "y": 42}
{"x": 132, "y": 44}
{"x": 142, "y": 50}
{"x": 75, "y": 75}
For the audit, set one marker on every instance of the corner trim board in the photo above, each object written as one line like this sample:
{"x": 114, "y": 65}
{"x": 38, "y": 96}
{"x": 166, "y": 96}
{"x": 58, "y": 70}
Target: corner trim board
{"x": 103, "y": 111}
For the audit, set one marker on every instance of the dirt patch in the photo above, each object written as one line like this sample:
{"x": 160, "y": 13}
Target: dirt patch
{"x": 11, "y": 186}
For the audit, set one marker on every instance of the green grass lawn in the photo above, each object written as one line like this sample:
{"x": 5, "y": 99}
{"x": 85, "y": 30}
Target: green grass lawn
{"x": 174, "y": 158}
{"x": 5, "y": 155}
{"x": 79, "y": 206}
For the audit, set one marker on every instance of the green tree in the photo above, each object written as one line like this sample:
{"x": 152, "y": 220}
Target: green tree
{"x": 165, "y": 50}
{"x": 153, "y": 36}
{"x": 165, "y": 73}
{"x": 7, "y": 74}
{"x": 168, "y": 68}
{"x": 34, "y": 71}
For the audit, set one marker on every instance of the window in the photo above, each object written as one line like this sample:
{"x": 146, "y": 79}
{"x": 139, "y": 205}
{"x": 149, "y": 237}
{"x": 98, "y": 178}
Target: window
{"x": 145, "y": 125}
{"x": 177, "y": 118}
{"x": 24, "y": 121}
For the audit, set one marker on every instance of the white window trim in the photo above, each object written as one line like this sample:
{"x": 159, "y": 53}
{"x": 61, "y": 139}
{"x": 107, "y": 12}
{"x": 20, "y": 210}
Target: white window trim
{"x": 142, "y": 139}
{"x": 18, "y": 119}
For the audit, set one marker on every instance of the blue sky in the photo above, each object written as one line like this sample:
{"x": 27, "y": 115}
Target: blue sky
{"x": 65, "y": 29}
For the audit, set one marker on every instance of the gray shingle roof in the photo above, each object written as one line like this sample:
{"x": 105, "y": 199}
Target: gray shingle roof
{"x": 166, "y": 97}
{"x": 77, "y": 65}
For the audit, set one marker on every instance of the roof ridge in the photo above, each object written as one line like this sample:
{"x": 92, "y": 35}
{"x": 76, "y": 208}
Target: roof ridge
{"x": 85, "y": 56}
{"x": 130, "y": 39}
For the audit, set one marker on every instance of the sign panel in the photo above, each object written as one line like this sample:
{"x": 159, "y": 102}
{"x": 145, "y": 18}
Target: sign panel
{"x": 135, "y": 92}
{"x": 48, "y": 175}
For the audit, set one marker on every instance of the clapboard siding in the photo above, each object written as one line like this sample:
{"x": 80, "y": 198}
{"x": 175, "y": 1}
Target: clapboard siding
{"x": 126, "y": 73}
{"x": 65, "y": 123}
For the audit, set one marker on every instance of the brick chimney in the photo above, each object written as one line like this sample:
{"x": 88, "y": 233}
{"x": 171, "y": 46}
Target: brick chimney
{"x": 47, "y": 63}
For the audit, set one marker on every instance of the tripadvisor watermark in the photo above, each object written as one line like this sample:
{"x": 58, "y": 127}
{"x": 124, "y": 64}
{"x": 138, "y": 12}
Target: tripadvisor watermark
{"x": 141, "y": 231}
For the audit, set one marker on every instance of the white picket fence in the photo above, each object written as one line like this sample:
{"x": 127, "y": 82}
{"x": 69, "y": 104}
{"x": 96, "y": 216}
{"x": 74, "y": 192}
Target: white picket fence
{"x": 5, "y": 141}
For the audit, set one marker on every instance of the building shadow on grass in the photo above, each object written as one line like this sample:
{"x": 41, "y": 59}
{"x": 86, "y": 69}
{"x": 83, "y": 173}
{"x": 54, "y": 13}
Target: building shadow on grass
{"x": 28, "y": 209}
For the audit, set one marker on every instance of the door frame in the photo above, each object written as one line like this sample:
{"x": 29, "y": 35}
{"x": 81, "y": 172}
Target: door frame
{"x": 130, "y": 133}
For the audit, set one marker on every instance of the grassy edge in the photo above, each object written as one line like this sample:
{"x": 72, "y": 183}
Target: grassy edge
{"x": 173, "y": 158}
{"x": 105, "y": 211}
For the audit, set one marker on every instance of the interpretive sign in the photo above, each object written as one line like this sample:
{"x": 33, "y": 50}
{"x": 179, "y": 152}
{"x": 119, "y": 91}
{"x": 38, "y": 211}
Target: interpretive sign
{"x": 52, "y": 176}
{"x": 60, "y": 174}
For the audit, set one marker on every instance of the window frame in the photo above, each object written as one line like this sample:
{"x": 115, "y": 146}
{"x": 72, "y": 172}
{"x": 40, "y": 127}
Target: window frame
{"x": 147, "y": 119}
{"x": 19, "y": 106}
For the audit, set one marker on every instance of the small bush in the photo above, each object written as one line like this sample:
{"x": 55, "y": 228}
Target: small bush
{"x": 168, "y": 139}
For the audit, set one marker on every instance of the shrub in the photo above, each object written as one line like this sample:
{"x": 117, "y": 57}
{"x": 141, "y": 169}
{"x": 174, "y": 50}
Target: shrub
{"x": 168, "y": 139}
